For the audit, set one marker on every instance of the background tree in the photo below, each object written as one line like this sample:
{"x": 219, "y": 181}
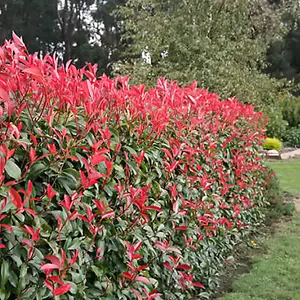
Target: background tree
{"x": 222, "y": 44}
{"x": 35, "y": 20}
{"x": 82, "y": 30}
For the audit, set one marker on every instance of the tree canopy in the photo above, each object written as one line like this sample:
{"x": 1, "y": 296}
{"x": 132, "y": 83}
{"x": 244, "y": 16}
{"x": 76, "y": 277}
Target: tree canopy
{"x": 223, "y": 44}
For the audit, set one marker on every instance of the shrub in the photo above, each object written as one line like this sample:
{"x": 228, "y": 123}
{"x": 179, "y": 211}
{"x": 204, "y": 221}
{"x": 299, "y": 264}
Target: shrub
{"x": 291, "y": 111}
{"x": 292, "y": 137}
{"x": 113, "y": 192}
{"x": 272, "y": 144}
{"x": 276, "y": 126}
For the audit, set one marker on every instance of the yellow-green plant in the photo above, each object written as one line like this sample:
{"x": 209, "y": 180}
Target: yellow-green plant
{"x": 272, "y": 144}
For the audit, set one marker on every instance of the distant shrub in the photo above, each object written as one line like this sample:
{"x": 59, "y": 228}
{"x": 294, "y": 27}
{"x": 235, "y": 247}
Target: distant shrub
{"x": 276, "y": 126}
{"x": 292, "y": 137}
{"x": 291, "y": 111}
{"x": 272, "y": 144}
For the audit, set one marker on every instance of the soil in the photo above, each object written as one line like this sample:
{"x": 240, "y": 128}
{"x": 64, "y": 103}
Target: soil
{"x": 241, "y": 264}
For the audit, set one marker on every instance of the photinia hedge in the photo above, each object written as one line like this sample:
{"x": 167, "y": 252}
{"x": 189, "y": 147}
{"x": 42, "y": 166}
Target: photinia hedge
{"x": 114, "y": 192}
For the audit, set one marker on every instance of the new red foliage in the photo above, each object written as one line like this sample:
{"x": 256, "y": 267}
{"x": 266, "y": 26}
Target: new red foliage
{"x": 151, "y": 188}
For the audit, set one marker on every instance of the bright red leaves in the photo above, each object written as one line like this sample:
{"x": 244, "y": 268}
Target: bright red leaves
{"x": 172, "y": 166}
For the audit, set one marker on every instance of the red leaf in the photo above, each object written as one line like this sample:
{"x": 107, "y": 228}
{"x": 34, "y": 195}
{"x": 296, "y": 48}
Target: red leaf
{"x": 97, "y": 159}
{"x": 198, "y": 284}
{"x": 32, "y": 212}
{"x": 49, "y": 267}
{"x": 141, "y": 268}
{"x": 7, "y": 227}
{"x": 29, "y": 188}
{"x": 50, "y": 192}
{"x": 2, "y": 246}
{"x": 48, "y": 285}
{"x": 56, "y": 279}
{"x": 54, "y": 260}
{"x": 181, "y": 228}
{"x": 184, "y": 267}
{"x": 74, "y": 258}
{"x": 18, "y": 41}
{"x": 62, "y": 289}
{"x": 36, "y": 72}
{"x": 4, "y": 95}
{"x": 32, "y": 155}
{"x": 2, "y": 164}
{"x": 167, "y": 266}
{"x": 127, "y": 275}
{"x": 15, "y": 198}
{"x": 27, "y": 242}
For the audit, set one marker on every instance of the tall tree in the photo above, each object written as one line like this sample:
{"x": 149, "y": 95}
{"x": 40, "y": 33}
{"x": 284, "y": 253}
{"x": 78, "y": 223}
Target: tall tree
{"x": 221, "y": 43}
{"x": 82, "y": 30}
{"x": 111, "y": 29}
{"x": 35, "y": 20}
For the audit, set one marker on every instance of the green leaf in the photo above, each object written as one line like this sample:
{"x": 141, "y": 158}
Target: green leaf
{"x": 23, "y": 271}
{"x": 4, "y": 295}
{"x": 12, "y": 169}
{"x": 4, "y": 273}
{"x": 37, "y": 169}
{"x": 28, "y": 293}
{"x": 130, "y": 150}
{"x": 75, "y": 244}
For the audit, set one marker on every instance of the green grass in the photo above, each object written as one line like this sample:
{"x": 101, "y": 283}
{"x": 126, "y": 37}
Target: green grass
{"x": 288, "y": 172}
{"x": 275, "y": 275}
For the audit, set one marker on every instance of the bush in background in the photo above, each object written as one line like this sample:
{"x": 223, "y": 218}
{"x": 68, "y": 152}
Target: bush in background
{"x": 291, "y": 111}
{"x": 276, "y": 126}
{"x": 272, "y": 144}
{"x": 110, "y": 191}
{"x": 292, "y": 137}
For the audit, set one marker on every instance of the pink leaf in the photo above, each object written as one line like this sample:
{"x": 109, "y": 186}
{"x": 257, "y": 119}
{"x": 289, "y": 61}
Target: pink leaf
{"x": 108, "y": 215}
{"x": 49, "y": 267}
{"x": 35, "y": 71}
{"x": 137, "y": 293}
{"x": 18, "y": 41}
{"x": 142, "y": 279}
{"x": 156, "y": 208}
{"x": 54, "y": 260}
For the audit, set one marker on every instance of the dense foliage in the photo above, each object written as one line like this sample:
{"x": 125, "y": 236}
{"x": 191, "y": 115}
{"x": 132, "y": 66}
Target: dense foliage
{"x": 109, "y": 190}
{"x": 221, "y": 44}
{"x": 292, "y": 137}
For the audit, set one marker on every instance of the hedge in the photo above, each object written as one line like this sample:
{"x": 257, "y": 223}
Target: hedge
{"x": 113, "y": 191}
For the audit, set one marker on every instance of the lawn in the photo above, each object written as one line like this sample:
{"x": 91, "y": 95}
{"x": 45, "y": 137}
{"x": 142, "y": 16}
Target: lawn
{"x": 275, "y": 275}
{"x": 288, "y": 172}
